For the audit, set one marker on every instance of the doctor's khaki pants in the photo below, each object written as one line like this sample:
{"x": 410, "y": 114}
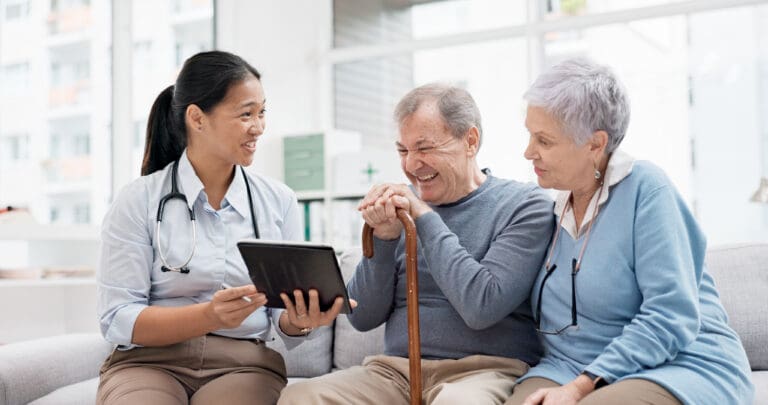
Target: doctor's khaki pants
{"x": 204, "y": 370}
{"x": 384, "y": 380}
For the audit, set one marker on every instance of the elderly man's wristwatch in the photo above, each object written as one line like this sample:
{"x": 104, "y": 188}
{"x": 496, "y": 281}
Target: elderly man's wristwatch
{"x": 597, "y": 381}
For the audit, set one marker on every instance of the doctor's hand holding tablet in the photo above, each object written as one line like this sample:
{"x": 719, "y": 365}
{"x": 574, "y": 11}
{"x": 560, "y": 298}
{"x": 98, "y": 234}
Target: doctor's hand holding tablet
{"x": 303, "y": 278}
{"x": 232, "y": 305}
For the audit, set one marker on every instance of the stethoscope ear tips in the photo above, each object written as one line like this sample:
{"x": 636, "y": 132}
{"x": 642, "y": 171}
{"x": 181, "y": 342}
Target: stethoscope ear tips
{"x": 165, "y": 269}
{"x": 184, "y": 270}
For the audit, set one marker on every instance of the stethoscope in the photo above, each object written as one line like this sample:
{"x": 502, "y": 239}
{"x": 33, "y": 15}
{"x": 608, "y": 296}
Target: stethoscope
{"x": 183, "y": 269}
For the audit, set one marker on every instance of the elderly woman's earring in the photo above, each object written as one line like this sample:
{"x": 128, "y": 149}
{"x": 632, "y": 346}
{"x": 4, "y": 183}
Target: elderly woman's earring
{"x": 598, "y": 175}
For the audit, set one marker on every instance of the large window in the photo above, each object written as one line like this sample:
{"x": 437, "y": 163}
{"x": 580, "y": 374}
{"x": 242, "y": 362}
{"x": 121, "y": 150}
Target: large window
{"x": 165, "y": 34}
{"x": 55, "y": 96}
{"x": 52, "y": 118}
{"x": 697, "y": 74}
{"x": 372, "y": 22}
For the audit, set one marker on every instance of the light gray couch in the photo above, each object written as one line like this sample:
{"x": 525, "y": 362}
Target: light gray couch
{"x": 63, "y": 369}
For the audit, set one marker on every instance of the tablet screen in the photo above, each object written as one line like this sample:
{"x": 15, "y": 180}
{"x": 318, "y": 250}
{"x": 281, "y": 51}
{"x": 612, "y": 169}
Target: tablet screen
{"x": 282, "y": 266}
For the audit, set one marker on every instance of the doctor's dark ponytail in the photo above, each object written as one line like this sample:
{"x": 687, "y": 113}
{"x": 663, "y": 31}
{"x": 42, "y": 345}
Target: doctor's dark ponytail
{"x": 203, "y": 81}
{"x": 164, "y": 142}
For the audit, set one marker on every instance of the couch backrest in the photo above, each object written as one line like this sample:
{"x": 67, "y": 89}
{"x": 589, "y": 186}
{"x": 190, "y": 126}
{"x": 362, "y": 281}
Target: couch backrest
{"x": 741, "y": 278}
{"x": 350, "y": 345}
{"x": 312, "y": 358}
{"x": 740, "y": 273}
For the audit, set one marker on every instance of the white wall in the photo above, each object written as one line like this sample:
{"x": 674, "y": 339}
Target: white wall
{"x": 285, "y": 41}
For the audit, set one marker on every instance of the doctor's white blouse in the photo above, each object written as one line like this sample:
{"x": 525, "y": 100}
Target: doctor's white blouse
{"x": 129, "y": 277}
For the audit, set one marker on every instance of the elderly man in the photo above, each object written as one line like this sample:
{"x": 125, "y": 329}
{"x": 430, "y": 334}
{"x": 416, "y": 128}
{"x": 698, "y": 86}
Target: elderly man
{"x": 481, "y": 242}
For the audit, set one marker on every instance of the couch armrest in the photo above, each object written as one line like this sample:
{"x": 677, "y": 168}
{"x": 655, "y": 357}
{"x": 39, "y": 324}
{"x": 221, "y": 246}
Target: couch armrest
{"x": 31, "y": 369}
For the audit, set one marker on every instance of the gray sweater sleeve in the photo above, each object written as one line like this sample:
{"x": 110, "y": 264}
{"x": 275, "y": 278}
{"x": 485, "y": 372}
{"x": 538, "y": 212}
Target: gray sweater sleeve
{"x": 373, "y": 286}
{"x": 484, "y": 292}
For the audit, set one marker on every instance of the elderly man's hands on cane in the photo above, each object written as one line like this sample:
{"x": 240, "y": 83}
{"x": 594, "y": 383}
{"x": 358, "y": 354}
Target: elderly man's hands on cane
{"x": 381, "y": 203}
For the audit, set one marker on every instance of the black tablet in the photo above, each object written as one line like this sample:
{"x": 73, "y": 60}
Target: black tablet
{"x": 283, "y": 266}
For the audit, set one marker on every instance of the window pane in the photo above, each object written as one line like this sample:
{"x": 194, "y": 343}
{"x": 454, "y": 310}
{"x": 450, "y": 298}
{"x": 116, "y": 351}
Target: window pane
{"x": 458, "y": 16}
{"x": 366, "y": 94}
{"x": 385, "y": 21}
{"x": 14, "y": 79}
{"x": 497, "y": 85}
{"x": 54, "y": 109}
{"x": 15, "y": 10}
{"x": 729, "y": 120}
{"x": 14, "y": 148}
{"x": 164, "y": 35}
{"x": 650, "y": 57}
{"x": 554, "y": 9}
{"x": 698, "y": 90}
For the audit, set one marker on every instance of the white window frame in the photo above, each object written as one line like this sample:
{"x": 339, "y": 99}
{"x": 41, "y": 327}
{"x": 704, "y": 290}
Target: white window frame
{"x": 533, "y": 31}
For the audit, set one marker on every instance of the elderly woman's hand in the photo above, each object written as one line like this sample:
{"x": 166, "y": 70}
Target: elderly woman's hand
{"x": 568, "y": 394}
{"x": 298, "y": 319}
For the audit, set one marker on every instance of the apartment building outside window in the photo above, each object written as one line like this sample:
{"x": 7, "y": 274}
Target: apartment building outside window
{"x": 56, "y": 98}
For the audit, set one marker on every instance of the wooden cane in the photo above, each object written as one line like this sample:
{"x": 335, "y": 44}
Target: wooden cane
{"x": 411, "y": 271}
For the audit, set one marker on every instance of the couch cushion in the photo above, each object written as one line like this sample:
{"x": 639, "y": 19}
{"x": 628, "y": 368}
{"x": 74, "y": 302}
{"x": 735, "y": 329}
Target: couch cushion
{"x": 309, "y": 359}
{"x": 350, "y": 346}
{"x": 82, "y": 393}
{"x": 741, "y": 277}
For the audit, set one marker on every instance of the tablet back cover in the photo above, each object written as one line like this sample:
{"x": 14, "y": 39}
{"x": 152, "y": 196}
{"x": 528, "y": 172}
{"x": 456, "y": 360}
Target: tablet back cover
{"x": 277, "y": 267}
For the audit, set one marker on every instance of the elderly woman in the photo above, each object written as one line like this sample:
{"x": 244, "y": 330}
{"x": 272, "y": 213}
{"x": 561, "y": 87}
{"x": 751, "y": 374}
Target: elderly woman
{"x": 624, "y": 304}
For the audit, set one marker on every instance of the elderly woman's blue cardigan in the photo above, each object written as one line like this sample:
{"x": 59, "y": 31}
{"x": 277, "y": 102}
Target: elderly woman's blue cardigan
{"x": 647, "y": 307}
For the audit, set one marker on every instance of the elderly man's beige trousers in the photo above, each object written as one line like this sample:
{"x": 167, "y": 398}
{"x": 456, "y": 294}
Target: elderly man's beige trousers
{"x": 384, "y": 380}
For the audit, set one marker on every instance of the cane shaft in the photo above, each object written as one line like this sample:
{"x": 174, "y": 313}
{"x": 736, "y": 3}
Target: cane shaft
{"x": 412, "y": 279}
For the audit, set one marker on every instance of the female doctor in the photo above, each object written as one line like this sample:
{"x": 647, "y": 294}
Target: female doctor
{"x": 174, "y": 294}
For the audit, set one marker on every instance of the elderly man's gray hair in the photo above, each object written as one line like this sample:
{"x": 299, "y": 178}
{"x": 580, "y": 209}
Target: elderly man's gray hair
{"x": 455, "y": 104}
{"x": 583, "y": 97}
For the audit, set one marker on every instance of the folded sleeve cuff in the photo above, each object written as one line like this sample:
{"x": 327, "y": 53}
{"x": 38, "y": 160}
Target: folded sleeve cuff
{"x": 120, "y": 331}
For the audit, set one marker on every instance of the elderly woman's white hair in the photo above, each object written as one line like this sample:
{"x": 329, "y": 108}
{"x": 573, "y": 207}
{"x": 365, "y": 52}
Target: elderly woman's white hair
{"x": 583, "y": 97}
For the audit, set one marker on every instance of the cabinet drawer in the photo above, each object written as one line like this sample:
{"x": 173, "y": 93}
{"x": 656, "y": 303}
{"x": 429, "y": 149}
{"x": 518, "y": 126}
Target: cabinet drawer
{"x": 304, "y": 179}
{"x": 303, "y": 143}
{"x": 303, "y": 159}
